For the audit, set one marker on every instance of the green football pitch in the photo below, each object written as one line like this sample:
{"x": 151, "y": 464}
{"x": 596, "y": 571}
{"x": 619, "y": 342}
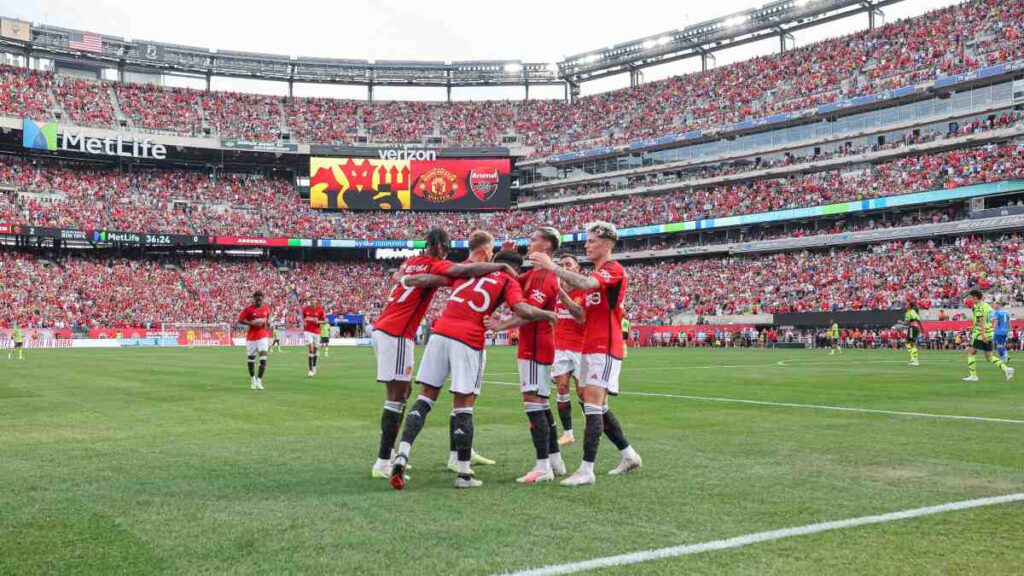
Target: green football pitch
{"x": 152, "y": 460}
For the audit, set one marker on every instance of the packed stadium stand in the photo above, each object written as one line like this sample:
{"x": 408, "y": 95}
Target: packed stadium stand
{"x": 955, "y": 144}
{"x": 944, "y": 42}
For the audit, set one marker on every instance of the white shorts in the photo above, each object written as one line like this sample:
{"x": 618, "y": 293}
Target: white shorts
{"x": 445, "y": 356}
{"x": 253, "y": 347}
{"x": 394, "y": 356}
{"x": 534, "y": 377}
{"x": 566, "y": 362}
{"x": 311, "y": 339}
{"x": 601, "y": 370}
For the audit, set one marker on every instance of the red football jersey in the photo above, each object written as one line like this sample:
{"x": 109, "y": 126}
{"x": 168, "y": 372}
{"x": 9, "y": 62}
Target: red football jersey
{"x": 473, "y": 299}
{"x": 407, "y": 306}
{"x": 603, "y": 333}
{"x": 253, "y": 313}
{"x": 314, "y": 326}
{"x": 537, "y": 339}
{"x": 569, "y": 332}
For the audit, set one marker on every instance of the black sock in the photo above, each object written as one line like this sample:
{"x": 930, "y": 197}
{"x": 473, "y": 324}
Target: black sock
{"x": 451, "y": 432}
{"x": 613, "y": 430}
{"x": 315, "y": 358}
{"x": 592, "y": 435}
{"x": 538, "y": 431}
{"x": 565, "y": 412}
{"x": 416, "y": 418}
{"x": 463, "y": 434}
{"x": 552, "y": 432}
{"x": 309, "y": 361}
{"x": 252, "y": 367}
{"x": 263, "y": 366}
{"x": 390, "y": 423}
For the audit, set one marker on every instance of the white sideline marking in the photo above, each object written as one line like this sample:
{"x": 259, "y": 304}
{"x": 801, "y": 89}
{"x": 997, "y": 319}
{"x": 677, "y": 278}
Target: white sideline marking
{"x": 782, "y": 363}
{"x": 813, "y": 406}
{"x": 748, "y": 539}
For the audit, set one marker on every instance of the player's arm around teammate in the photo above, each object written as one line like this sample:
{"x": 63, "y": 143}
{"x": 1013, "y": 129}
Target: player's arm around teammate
{"x": 602, "y": 348}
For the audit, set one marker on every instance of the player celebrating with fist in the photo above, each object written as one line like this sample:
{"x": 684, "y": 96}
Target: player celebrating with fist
{"x": 257, "y": 341}
{"x": 602, "y": 347}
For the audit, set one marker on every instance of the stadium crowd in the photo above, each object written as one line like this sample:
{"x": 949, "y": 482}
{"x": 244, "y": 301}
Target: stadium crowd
{"x": 947, "y": 41}
{"x": 97, "y": 290}
{"x": 66, "y": 195}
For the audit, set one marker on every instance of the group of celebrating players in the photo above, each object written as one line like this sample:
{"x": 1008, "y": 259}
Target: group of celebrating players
{"x": 570, "y": 326}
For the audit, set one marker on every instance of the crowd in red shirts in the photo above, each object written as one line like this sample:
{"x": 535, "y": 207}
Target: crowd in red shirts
{"x": 883, "y": 276}
{"x": 98, "y": 290}
{"x": 951, "y": 40}
{"x": 49, "y": 193}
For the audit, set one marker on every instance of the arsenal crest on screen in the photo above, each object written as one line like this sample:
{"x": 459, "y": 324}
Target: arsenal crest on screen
{"x": 483, "y": 182}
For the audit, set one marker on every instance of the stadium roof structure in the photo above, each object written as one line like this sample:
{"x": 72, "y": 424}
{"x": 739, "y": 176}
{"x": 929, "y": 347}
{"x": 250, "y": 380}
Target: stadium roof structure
{"x": 779, "y": 19}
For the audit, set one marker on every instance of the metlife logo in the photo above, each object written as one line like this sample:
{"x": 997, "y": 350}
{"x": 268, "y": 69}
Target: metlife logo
{"x": 46, "y": 136}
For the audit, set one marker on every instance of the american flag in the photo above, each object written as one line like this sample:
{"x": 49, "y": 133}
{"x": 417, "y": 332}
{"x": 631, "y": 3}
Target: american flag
{"x": 87, "y": 42}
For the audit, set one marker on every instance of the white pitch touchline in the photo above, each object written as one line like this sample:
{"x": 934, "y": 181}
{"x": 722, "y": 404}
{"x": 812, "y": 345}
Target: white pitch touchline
{"x": 757, "y": 537}
{"x": 782, "y": 363}
{"x": 814, "y": 406}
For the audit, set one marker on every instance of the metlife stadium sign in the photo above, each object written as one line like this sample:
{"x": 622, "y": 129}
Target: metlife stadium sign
{"x": 45, "y": 136}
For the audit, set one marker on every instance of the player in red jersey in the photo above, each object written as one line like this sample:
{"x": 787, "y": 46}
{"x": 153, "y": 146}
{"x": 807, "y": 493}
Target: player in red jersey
{"x": 313, "y": 318}
{"x": 456, "y": 348}
{"x": 257, "y": 341}
{"x": 536, "y": 353}
{"x": 394, "y": 332}
{"x": 572, "y": 320}
{"x": 602, "y": 347}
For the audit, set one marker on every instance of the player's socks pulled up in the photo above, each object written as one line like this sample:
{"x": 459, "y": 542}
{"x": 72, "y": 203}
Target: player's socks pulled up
{"x": 565, "y": 412}
{"x": 539, "y": 430}
{"x": 390, "y": 424}
{"x": 592, "y": 433}
{"x": 613, "y": 430}
{"x": 414, "y": 424}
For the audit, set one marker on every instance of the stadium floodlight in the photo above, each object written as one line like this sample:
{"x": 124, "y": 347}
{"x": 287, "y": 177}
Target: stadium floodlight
{"x": 663, "y": 40}
{"x": 735, "y": 21}
{"x": 553, "y": 68}
{"x": 802, "y": 3}
{"x": 648, "y": 44}
{"x": 591, "y": 59}
{"x": 513, "y": 68}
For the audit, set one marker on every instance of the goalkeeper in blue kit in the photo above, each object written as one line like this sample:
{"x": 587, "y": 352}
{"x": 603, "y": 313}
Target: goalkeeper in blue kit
{"x": 1001, "y": 324}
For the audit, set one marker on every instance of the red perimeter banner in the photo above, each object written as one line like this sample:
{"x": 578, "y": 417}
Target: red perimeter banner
{"x": 379, "y": 184}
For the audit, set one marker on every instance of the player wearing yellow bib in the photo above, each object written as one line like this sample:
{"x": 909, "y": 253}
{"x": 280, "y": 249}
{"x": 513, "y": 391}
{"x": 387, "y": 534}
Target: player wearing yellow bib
{"x": 18, "y": 337}
{"x": 833, "y": 336}
{"x": 325, "y": 338}
{"x": 982, "y": 334}
{"x": 912, "y": 320}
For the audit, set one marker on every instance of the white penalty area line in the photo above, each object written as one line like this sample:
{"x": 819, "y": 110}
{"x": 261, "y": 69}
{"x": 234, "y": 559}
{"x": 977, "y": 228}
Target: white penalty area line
{"x": 748, "y": 539}
{"x": 809, "y": 406}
